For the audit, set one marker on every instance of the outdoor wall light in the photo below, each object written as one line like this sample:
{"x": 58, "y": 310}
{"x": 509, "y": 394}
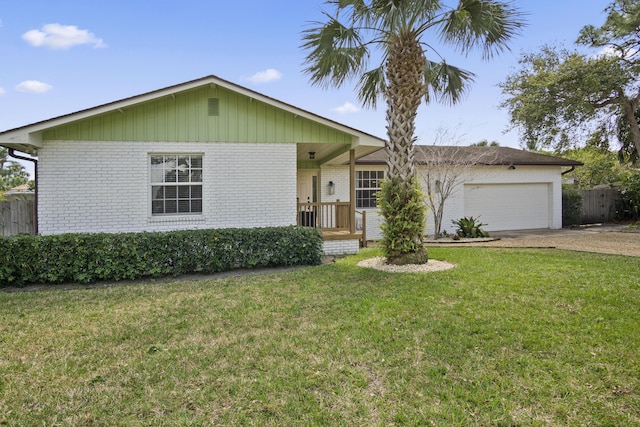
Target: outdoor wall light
{"x": 332, "y": 187}
{"x": 512, "y": 167}
{"x": 312, "y": 155}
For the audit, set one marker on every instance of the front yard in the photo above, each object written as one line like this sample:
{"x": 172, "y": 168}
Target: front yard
{"x": 509, "y": 337}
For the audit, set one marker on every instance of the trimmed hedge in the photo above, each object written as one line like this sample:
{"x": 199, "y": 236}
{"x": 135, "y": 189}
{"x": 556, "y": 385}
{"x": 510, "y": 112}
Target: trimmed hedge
{"x": 88, "y": 258}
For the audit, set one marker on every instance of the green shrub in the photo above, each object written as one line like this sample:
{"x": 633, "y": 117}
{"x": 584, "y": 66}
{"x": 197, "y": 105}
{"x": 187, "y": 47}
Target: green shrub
{"x": 403, "y": 208}
{"x": 628, "y": 206}
{"x": 571, "y": 207}
{"x": 88, "y": 258}
{"x": 470, "y": 227}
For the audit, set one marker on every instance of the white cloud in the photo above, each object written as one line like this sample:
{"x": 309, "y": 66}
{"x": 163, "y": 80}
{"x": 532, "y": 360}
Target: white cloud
{"x": 58, "y": 36}
{"x": 346, "y": 108}
{"x": 2, "y": 91}
{"x": 611, "y": 52}
{"x": 266, "y": 76}
{"x": 33, "y": 86}
{"x": 607, "y": 52}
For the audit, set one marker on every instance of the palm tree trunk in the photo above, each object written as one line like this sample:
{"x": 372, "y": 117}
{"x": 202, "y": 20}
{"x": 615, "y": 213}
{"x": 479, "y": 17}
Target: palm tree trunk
{"x": 405, "y": 89}
{"x": 405, "y": 208}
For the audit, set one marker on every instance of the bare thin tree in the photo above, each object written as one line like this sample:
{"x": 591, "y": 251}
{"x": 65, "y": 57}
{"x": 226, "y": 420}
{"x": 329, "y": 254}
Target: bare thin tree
{"x": 448, "y": 166}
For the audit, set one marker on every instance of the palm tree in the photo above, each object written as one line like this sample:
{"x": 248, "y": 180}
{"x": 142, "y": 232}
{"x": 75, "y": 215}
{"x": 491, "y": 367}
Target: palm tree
{"x": 395, "y": 31}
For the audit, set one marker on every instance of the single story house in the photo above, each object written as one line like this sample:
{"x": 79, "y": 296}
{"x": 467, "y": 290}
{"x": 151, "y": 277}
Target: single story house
{"x": 205, "y": 153}
{"x": 209, "y": 153}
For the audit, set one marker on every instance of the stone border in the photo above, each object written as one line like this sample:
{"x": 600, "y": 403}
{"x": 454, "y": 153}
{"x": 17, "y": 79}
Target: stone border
{"x": 449, "y": 240}
{"x": 380, "y": 263}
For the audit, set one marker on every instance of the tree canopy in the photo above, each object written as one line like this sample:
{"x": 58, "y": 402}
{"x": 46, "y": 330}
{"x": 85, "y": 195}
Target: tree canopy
{"x": 12, "y": 173}
{"x": 562, "y": 98}
{"x": 485, "y": 143}
{"x": 600, "y": 167}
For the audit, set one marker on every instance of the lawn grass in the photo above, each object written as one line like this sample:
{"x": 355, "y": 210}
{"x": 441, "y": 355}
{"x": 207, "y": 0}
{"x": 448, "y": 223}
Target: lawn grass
{"x": 511, "y": 337}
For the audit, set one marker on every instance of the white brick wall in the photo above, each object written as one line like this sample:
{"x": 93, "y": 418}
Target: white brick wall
{"x": 104, "y": 186}
{"x": 340, "y": 177}
{"x": 341, "y": 247}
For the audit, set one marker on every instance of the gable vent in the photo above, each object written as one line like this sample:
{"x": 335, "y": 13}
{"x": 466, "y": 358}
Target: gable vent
{"x": 214, "y": 107}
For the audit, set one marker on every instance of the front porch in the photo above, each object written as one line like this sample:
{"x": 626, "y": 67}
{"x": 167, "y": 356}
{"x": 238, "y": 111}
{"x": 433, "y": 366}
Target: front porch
{"x": 338, "y": 221}
{"x": 322, "y": 185}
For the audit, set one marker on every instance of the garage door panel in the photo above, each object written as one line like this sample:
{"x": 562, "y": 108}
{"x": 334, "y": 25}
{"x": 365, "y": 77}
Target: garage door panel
{"x": 508, "y": 206}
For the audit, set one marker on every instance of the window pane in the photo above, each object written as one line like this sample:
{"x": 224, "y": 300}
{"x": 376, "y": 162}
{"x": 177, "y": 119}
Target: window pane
{"x": 157, "y": 207}
{"x": 156, "y": 173}
{"x": 196, "y": 176}
{"x": 170, "y": 192}
{"x": 184, "y": 206}
{"x": 183, "y": 162}
{"x": 157, "y": 192}
{"x": 183, "y": 176}
{"x": 157, "y": 160}
{"x": 183, "y": 192}
{"x": 196, "y": 191}
{"x": 170, "y": 176}
{"x": 196, "y": 162}
{"x": 170, "y": 206}
{"x": 196, "y": 206}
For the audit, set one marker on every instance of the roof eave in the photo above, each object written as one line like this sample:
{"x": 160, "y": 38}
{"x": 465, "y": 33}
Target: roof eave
{"x": 28, "y": 136}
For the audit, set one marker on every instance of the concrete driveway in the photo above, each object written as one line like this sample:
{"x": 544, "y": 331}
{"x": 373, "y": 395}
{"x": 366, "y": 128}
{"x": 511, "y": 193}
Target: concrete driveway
{"x": 608, "y": 239}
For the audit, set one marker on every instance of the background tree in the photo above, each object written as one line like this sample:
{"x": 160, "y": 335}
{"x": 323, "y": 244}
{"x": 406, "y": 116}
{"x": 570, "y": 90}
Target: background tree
{"x": 601, "y": 167}
{"x": 628, "y": 149}
{"x": 395, "y": 31}
{"x": 12, "y": 173}
{"x": 485, "y": 143}
{"x": 561, "y": 98}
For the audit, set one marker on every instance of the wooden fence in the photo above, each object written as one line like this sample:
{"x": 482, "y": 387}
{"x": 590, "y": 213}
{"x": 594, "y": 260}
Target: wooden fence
{"x": 599, "y": 205}
{"x": 16, "y": 217}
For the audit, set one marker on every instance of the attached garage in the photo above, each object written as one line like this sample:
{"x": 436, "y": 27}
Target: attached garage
{"x": 509, "y": 189}
{"x": 509, "y": 206}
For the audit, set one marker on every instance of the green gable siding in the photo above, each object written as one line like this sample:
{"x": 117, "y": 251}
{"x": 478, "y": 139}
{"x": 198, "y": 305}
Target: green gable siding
{"x": 184, "y": 118}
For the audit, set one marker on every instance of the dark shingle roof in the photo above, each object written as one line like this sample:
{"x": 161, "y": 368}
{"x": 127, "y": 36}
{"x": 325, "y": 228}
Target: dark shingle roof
{"x": 490, "y": 156}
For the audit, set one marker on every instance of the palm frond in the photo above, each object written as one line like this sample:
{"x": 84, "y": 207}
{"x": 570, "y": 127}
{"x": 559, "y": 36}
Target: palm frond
{"x": 447, "y": 83}
{"x": 336, "y": 53}
{"x": 371, "y": 85}
{"x": 486, "y": 24}
{"x": 401, "y": 16}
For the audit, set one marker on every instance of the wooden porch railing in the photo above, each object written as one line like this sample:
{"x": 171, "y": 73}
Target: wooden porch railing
{"x": 332, "y": 217}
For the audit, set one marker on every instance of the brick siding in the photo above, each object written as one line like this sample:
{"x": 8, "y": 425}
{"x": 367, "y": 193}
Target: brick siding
{"x": 104, "y": 186}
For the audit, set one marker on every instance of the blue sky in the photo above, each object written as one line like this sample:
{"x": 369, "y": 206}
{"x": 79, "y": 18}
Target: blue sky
{"x": 61, "y": 56}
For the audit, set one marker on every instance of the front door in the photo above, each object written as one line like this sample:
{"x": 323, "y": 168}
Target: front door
{"x": 307, "y": 186}
{"x": 307, "y": 193}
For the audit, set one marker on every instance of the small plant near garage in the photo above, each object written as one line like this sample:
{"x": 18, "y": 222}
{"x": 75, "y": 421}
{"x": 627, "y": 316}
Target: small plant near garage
{"x": 571, "y": 206}
{"x": 470, "y": 227}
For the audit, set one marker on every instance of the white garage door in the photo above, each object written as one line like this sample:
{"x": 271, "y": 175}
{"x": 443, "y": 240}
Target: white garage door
{"x": 508, "y": 206}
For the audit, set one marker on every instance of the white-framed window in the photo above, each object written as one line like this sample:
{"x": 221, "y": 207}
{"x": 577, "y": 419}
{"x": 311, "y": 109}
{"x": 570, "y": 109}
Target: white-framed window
{"x": 367, "y": 187}
{"x": 176, "y": 184}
